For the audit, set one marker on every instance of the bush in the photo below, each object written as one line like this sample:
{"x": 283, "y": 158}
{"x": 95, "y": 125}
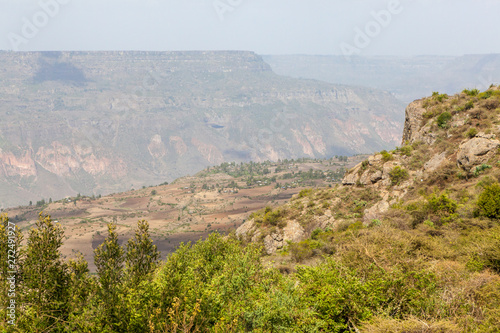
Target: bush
{"x": 443, "y": 119}
{"x": 488, "y": 202}
{"x": 305, "y": 192}
{"x": 469, "y": 105}
{"x": 442, "y": 205}
{"x": 406, "y": 150}
{"x": 386, "y": 156}
{"x": 472, "y": 92}
{"x": 480, "y": 169}
{"x": 304, "y": 250}
{"x": 397, "y": 175}
{"x": 472, "y": 132}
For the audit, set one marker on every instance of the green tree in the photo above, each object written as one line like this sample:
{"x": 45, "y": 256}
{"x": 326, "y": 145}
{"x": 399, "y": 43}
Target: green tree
{"x": 45, "y": 278}
{"x": 108, "y": 259}
{"x": 81, "y": 288}
{"x": 489, "y": 201}
{"x": 142, "y": 255}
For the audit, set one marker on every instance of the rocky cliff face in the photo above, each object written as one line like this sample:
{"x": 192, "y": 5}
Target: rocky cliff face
{"x": 100, "y": 122}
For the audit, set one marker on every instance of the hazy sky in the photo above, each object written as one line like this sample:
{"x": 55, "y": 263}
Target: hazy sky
{"x": 366, "y": 27}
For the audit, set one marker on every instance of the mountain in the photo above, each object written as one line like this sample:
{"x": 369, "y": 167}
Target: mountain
{"x": 408, "y": 78}
{"x": 103, "y": 122}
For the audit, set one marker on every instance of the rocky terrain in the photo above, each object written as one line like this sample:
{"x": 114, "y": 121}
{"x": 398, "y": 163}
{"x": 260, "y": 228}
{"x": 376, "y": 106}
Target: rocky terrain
{"x": 102, "y": 122}
{"x": 408, "y": 78}
{"x": 450, "y": 147}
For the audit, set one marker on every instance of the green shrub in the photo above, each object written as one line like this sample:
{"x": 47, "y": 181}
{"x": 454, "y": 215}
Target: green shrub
{"x": 488, "y": 202}
{"x": 442, "y": 206}
{"x": 472, "y": 92}
{"x": 304, "y": 250}
{"x": 481, "y": 168}
{"x": 305, "y": 192}
{"x": 472, "y": 132}
{"x": 469, "y": 105}
{"x": 386, "y": 156}
{"x": 397, "y": 175}
{"x": 485, "y": 95}
{"x": 443, "y": 119}
{"x": 406, "y": 150}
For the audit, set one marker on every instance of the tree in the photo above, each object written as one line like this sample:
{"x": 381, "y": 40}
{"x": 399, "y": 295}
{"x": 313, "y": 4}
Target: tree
{"x": 108, "y": 258}
{"x": 142, "y": 255}
{"x": 44, "y": 275}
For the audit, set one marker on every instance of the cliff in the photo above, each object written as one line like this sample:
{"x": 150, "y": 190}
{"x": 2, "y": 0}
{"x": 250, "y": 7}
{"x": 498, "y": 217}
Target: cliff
{"x": 102, "y": 122}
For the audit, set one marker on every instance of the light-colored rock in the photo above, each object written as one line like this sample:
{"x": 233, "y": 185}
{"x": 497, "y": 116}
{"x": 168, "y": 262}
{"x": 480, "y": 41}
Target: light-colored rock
{"x": 293, "y": 232}
{"x": 475, "y": 152}
{"x": 435, "y": 162}
{"x": 413, "y": 120}
{"x": 351, "y": 178}
{"x": 273, "y": 242}
{"x": 376, "y": 176}
{"x": 245, "y": 228}
{"x": 375, "y": 212}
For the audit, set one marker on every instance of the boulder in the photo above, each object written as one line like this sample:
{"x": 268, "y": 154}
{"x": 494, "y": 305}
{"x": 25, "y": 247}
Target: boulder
{"x": 435, "y": 162}
{"x": 476, "y": 151}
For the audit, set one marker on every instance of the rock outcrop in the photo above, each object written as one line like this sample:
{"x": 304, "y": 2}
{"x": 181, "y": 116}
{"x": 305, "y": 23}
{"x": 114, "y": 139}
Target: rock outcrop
{"x": 477, "y": 151}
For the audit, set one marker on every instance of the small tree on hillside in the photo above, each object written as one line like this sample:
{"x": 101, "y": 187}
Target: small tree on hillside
{"x": 44, "y": 276}
{"x": 142, "y": 255}
{"x": 108, "y": 258}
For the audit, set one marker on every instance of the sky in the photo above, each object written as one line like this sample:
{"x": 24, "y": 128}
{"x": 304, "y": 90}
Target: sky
{"x": 325, "y": 27}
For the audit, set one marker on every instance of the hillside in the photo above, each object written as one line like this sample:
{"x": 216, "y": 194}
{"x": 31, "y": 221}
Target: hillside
{"x": 409, "y": 242}
{"x": 408, "y": 78}
{"x": 103, "y": 122}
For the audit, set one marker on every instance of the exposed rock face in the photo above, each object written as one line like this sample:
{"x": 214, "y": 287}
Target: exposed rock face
{"x": 435, "y": 162}
{"x": 477, "y": 151}
{"x": 12, "y": 165}
{"x": 156, "y": 147}
{"x": 413, "y": 130}
{"x": 413, "y": 121}
{"x": 293, "y": 232}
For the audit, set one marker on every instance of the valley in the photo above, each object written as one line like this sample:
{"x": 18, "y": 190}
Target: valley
{"x": 217, "y": 199}
{"x": 105, "y": 122}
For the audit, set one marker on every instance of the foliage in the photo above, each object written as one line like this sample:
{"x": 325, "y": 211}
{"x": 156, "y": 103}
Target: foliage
{"x": 108, "y": 259}
{"x": 471, "y": 92}
{"x": 443, "y": 119}
{"x": 386, "y": 156}
{"x": 472, "y": 132}
{"x": 397, "y": 175}
{"x": 479, "y": 169}
{"x": 488, "y": 202}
